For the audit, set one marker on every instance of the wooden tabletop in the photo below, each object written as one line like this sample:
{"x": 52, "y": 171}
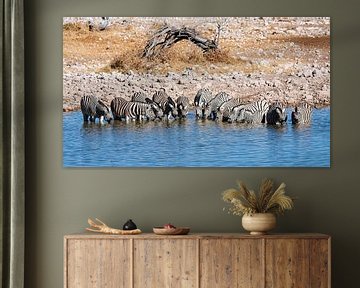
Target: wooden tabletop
{"x": 89, "y": 235}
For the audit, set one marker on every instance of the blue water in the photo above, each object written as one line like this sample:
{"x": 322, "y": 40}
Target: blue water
{"x": 195, "y": 143}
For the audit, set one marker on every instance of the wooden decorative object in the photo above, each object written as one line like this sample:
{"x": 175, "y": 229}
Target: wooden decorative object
{"x": 101, "y": 227}
{"x": 171, "y": 231}
{"x": 197, "y": 261}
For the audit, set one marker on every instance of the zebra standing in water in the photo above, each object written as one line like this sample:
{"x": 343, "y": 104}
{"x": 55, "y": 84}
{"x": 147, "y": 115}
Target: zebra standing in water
{"x": 226, "y": 107}
{"x": 115, "y": 104}
{"x": 201, "y": 100}
{"x": 93, "y": 108}
{"x": 302, "y": 114}
{"x": 250, "y": 113}
{"x": 166, "y": 103}
{"x": 155, "y": 111}
{"x": 231, "y": 115}
{"x": 231, "y": 108}
{"x": 141, "y": 97}
{"x": 134, "y": 110}
{"x": 276, "y": 114}
{"x": 214, "y": 104}
{"x": 182, "y": 105}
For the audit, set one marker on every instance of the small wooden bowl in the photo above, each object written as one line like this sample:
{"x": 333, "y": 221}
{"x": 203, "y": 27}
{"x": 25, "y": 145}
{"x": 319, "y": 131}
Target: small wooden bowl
{"x": 171, "y": 231}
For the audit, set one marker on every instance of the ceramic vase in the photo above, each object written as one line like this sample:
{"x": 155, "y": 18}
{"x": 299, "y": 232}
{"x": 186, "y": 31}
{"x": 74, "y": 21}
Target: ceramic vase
{"x": 259, "y": 223}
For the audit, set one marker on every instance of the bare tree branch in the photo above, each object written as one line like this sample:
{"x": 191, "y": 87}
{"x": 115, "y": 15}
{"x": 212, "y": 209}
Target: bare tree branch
{"x": 167, "y": 36}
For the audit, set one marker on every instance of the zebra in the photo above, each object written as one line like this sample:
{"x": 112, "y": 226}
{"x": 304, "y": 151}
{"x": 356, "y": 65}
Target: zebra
{"x": 115, "y": 104}
{"x": 139, "y": 97}
{"x": 226, "y": 108}
{"x": 276, "y": 114}
{"x": 155, "y": 109}
{"x": 254, "y": 112}
{"x": 166, "y": 103}
{"x": 301, "y": 114}
{"x": 93, "y": 108}
{"x": 182, "y": 105}
{"x": 231, "y": 114}
{"x": 214, "y": 104}
{"x": 134, "y": 110}
{"x": 159, "y": 95}
{"x": 142, "y": 98}
{"x": 202, "y": 97}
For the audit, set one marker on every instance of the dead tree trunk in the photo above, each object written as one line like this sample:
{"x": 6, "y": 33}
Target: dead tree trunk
{"x": 167, "y": 36}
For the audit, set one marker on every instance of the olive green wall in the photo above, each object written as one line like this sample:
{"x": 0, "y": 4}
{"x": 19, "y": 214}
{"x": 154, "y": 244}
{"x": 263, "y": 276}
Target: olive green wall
{"x": 58, "y": 200}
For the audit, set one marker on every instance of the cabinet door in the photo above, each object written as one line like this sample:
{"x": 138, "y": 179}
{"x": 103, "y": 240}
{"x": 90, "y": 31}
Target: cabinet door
{"x": 287, "y": 263}
{"x": 320, "y": 263}
{"x": 166, "y": 263}
{"x": 98, "y": 263}
{"x": 231, "y": 263}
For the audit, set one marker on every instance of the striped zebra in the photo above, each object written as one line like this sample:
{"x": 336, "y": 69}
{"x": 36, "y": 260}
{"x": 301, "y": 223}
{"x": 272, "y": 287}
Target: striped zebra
{"x": 231, "y": 115}
{"x": 182, "y": 105}
{"x": 93, "y": 108}
{"x": 214, "y": 104}
{"x": 202, "y": 98}
{"x": 134, "y": 110}
{"x": 115, "y": 104}
{"x": 155, "y": 111}
{"x": 166, "y": 103}
{"x": 276, "y": 114}
{"x": 226, "y": 108}
{"x": 159, "y": 95}
{"x": 302, "y": 114}
{"x": 254, "y": 112}
{"x": 139, "y": 97}
{"x": 155, "y": 108}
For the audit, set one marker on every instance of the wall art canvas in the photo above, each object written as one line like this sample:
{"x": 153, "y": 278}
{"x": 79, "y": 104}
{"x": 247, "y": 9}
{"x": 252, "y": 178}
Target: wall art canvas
{"x": 196, "y": 91}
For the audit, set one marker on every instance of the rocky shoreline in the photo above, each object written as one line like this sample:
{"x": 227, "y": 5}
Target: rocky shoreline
{"x": 288, "y": 71}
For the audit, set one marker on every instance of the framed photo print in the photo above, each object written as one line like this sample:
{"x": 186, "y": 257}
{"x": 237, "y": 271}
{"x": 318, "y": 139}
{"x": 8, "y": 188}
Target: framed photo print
{"x": 196, "y": 92}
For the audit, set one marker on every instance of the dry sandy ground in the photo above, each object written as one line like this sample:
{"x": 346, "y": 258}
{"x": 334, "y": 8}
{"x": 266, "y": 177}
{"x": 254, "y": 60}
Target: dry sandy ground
{"x": 286, "y": 59}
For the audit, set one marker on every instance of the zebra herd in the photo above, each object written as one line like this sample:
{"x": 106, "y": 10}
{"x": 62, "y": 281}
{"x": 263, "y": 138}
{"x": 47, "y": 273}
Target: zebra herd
{"x": 220, "y": 106}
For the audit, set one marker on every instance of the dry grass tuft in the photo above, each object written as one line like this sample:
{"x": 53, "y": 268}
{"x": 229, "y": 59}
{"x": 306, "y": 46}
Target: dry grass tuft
{"x": 127, "y": 61}
{"x": 322, "y": 42}
{"x": 156, "y": 26}
{"x": 220, "y": 56}
{"x": 72, "y": 27}
{"x": 181, "y": 55}
{"x": 117, "y": 63}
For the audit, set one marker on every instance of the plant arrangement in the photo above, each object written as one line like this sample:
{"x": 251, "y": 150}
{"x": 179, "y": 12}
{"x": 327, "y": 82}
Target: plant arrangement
{"x": 246, "y": 202}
